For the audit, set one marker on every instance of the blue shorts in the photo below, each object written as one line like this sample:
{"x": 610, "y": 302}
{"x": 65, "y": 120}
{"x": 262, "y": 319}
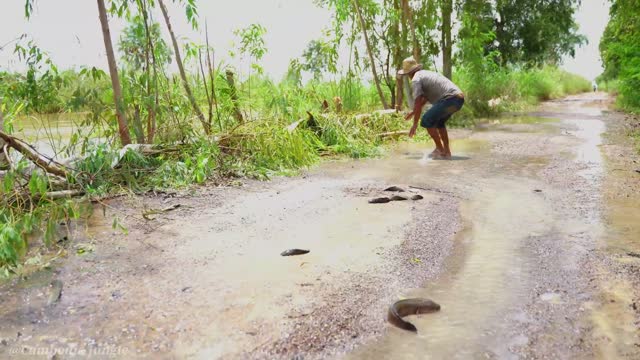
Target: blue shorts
{"x": 441, "y": 111}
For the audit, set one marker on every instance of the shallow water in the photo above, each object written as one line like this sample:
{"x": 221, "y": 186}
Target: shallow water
{"x": 49, "y": 133}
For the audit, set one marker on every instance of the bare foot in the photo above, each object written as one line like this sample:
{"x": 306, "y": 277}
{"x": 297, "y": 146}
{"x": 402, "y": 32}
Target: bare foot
{"x": 446, "y": 155}
{"x": 435, "y": 152}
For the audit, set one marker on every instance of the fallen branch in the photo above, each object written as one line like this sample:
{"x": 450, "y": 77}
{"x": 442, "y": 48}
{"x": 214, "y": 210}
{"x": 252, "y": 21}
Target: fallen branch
{"x": 6, "y": 158}
{"x": 393, "y": 133}
{"x": 146, "y": 150}
{"x": 377, "y": 112}
{"x": 47, "y": 164}
{"x": 62, "y": 194}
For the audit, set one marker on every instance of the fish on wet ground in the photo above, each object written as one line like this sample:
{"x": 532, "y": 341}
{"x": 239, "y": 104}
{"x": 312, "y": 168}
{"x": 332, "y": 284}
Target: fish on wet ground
{"x": 394, "y": 188}
{"x": 380, "y": 200}
{"x": 408, "y": 307}
{"x": 384, "y": 200}
{"x": 55, "y": 291}
{"x": 291, "y": 252}
{"x": 398, "y": 198}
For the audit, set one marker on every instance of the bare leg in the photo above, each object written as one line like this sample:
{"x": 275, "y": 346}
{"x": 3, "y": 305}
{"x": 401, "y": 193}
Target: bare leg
{"x": 444, "y": 135}
{"x": 435, "y": 135}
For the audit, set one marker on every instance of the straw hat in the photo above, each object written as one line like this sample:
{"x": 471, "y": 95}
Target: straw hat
{"x": 408, "y": 65}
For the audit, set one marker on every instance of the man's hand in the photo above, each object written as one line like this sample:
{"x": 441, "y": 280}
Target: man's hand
{"x": 412, "y": 132}
{"x": 408, "y": 116}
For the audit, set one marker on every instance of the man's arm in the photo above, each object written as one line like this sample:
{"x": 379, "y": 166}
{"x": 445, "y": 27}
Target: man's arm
{"x": 417, "y": 109}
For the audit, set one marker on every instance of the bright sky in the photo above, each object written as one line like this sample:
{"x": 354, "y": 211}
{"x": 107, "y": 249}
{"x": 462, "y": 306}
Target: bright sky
{"x": 592, "y": 18}
{"x": 70, "y": 30}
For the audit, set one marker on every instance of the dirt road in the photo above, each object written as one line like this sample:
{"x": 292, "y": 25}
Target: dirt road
{"x": 528, "y": 240}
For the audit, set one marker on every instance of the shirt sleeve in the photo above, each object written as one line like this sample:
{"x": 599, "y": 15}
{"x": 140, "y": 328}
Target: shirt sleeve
{"x": 417, "y": 89}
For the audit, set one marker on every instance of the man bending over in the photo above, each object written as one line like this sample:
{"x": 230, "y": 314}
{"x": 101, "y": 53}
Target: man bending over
{"x": 445, "y": 97}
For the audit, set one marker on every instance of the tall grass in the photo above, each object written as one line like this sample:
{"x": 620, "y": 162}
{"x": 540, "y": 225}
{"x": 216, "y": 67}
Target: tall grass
{"x": 509, "y": 89}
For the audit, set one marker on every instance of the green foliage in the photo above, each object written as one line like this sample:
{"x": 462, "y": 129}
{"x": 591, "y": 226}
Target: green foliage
{"x": 133, "y": 44}
{"x": 25, "y": 210}
{"x": 191, "y": 12}
{"x": 193, "y": 166}
{"x": 620, "y": 51}
{"x": 536, "y": 32}
{"x": 319, "y": 56}
{"x": 252, "y": 43}
{"x": 38, "y": 88}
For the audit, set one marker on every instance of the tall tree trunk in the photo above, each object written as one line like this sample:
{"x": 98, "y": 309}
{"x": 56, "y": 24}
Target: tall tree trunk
{"x": 403, "y": 40}
{"x": 501, "y": 36}
{"x": 150, "y": 60}
{"x": 399, "y": 93}
{"x": 183, "y": 75}
{"x": 408, "y": 15}
{"x": 3, "y": 160}
{"x": 370, "y": 52}
{"x": 123, "y": 127}
{"x": 446, "y": 8}
{"x": 396, "y": 36}
{"x": 397, "y": 54}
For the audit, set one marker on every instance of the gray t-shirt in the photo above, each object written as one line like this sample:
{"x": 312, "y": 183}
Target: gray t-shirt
{"x": 432, "y": 86}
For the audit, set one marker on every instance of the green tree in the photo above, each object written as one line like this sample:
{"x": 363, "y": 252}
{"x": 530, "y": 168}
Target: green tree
{"x": 620, "y": 50}
{"x": 319, "y": 56}
{"x": 143, "y": 50}
{"x": 191, "y": 11}
{"x": 536, "y": 32}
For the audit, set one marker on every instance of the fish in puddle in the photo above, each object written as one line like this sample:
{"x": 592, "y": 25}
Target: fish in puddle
{"x": 408, "y": 307}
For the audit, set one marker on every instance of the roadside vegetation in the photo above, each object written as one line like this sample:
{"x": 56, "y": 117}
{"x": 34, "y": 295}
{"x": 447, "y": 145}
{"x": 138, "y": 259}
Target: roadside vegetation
{"x": 144, "y": 127}
{"x": 620, "y": 52}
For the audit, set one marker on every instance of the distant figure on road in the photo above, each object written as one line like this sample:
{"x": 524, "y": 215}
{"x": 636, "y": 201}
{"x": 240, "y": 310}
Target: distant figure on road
{"x": 594, "y": 85}
{"x": 445, "y": 97}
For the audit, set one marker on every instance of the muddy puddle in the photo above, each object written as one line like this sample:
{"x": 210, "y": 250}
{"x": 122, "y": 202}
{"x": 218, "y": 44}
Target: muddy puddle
{"x": 518, "y": 124}
{"x": 484, "y": 280}
{"x": 410, "y": 163}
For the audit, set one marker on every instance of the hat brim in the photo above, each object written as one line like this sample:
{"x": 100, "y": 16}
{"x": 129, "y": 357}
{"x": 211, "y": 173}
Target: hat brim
{"x": 416, "y": 67}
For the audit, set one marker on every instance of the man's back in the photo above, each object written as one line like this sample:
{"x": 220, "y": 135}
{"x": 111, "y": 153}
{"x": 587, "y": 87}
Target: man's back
{"x": 432, "y": 86}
